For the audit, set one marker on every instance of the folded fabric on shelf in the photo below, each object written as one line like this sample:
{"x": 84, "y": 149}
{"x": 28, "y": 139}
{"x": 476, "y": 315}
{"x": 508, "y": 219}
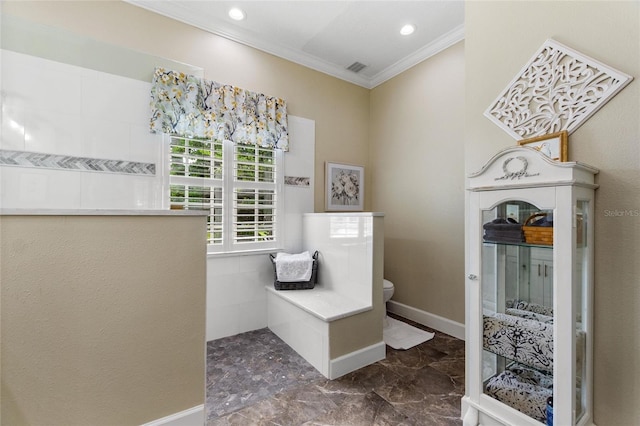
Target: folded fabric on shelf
{"x": 529, "y": 306}
{"x": 524, "y": 340}
{"x": 294, "y": 267}
{"x": 523, "y": 389}
{"x": 503, "y": 230}
{"x": 529, "y": 315}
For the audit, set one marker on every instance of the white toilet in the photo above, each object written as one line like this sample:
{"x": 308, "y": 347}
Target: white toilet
{"x": 387, "y": 293}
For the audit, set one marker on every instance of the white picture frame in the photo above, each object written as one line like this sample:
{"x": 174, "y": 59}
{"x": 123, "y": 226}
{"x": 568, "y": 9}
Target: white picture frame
{"x": 344, "y": 187}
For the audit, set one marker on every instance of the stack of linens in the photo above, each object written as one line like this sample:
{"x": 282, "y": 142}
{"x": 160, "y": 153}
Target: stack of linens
{"x": 503, "y": 231}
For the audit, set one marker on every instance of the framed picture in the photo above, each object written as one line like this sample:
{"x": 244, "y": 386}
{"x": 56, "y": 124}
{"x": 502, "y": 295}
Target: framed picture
{"x": 553, "y": 145}
{"x": 344, "y": 187}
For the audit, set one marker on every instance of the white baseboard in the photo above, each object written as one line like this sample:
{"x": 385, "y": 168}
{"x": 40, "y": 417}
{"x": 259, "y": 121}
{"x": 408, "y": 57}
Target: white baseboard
{"x": 191, "y": 417}
{"x": 352, "y": 361}
{"x": 430, "y": 320}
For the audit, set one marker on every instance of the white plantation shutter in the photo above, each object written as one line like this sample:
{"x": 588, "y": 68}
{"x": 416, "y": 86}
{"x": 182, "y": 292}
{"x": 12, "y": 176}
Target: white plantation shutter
{"x": 254, "y": 195}
{"x": 237, "y": 184}
{"x": 254, "y": 215}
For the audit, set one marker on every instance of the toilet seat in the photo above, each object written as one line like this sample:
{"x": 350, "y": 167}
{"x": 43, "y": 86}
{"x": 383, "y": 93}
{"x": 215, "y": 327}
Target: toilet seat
{"x": 386, "y": 284}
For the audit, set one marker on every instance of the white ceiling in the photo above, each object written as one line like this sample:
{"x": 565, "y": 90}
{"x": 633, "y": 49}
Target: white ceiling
{"x": 328, "y": 36}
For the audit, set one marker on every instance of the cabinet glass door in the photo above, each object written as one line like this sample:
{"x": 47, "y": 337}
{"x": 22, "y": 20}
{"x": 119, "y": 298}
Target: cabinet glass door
{"x": 517, "y": 306}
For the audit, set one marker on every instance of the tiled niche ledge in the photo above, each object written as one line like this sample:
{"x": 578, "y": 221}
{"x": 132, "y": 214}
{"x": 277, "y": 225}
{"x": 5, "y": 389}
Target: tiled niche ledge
{"x": 99, "y": 212}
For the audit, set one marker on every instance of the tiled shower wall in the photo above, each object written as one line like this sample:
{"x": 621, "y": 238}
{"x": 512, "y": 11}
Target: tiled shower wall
{"x": 236, "y": 297}
{"x": 82, "y": 118}
{"x": 59, "y": 116}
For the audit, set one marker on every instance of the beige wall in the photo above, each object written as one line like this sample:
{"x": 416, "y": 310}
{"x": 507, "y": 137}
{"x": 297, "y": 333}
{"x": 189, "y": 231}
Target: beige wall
{"x": 103, "y": 318}
{"x": 500, "y": 39}
{"x": 417, "y": 124}
{"x": 340, "y": 109}
{"x": 413, "y": 131}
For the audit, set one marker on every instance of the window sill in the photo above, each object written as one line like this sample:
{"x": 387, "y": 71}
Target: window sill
{"x": 242, "y": 253}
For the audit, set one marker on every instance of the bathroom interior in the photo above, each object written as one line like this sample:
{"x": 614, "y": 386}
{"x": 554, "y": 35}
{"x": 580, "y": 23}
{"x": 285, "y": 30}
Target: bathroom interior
{"x": 76, "y": 78}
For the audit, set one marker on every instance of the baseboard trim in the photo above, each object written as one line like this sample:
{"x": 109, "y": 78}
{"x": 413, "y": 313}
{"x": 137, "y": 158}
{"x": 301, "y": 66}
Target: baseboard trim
{"x": 428, "y": 319}
{"x": 352, "y": 361}
{"x": 191, "y": 417}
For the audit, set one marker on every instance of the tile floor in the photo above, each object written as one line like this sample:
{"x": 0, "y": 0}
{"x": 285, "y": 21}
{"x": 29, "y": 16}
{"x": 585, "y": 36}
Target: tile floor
{"x": 254, "y": 378}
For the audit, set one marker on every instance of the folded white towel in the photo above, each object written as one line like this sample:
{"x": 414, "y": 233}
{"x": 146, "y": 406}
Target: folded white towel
{"x": 294, "y": 267}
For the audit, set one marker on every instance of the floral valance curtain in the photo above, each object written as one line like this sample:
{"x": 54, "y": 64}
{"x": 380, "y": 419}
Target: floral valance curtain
{"x": 189, "y": 106}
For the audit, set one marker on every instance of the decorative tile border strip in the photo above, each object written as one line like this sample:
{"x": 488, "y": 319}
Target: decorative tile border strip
{"x": 68, "y": 162}
{"x": 297, "y": 181}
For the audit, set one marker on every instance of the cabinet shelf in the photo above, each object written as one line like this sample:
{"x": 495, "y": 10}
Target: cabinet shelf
{"x": 523, "y": 244}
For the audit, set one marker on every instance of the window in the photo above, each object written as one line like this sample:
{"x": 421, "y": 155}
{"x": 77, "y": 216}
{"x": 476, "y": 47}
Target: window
{"x": 237, "y": 184}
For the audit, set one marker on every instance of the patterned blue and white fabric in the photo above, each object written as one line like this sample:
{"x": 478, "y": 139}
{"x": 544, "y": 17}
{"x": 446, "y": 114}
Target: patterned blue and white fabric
{"x": 529, "y": 315}
{"x": 522, "y": 388}
{"x": 524, "y": 340}
{"x": 531, "y": 307}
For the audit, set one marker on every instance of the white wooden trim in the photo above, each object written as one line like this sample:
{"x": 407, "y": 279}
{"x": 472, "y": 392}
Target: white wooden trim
{"x": 428, "y": 319}
{"x": 190, "y": 417}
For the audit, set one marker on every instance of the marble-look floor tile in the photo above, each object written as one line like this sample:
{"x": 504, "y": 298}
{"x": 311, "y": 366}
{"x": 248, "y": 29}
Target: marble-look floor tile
{"x": 293, "y": 407}
{"x": 424, "y": 391}
{"x": 250, "y": 367}
{"x": 368, "y": 409}
{"x": 256, "y": 379}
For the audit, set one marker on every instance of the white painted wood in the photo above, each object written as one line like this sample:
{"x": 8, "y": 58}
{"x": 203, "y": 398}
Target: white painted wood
{"x": 469, "y": 414}
{"x": 541, "y": 276}
{"x": 557, "y": 187}
{"x": 558, "y": 89}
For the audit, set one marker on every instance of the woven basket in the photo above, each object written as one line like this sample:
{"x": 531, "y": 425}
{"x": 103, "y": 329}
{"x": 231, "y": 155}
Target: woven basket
{"x": 296, "y": 285}
{"x": 542, "y": 235}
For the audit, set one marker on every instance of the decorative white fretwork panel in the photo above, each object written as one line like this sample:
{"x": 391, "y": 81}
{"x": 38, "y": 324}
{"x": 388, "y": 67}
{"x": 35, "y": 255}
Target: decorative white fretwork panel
{"x": 558, "y": 89}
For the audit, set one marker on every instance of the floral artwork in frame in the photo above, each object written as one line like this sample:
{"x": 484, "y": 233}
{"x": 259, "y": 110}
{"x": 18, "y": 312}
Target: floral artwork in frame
{"x": 553, "y": 145}
{"x": 344, "y": 187}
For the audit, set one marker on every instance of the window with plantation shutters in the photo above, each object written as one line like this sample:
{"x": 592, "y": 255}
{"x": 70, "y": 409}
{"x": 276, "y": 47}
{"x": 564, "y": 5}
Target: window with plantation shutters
{"x": 254, "y": 194}
{"x": 237, "y": 185}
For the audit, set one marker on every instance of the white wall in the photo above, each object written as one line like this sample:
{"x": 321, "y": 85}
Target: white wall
{"x": 345, "y": 244}
{"x": 236, "y": 297}
{"x": 54, "y": 108}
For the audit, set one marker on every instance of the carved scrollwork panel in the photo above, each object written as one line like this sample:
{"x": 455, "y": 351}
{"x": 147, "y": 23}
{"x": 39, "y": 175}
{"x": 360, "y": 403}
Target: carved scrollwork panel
{"x": 558, "y": 89}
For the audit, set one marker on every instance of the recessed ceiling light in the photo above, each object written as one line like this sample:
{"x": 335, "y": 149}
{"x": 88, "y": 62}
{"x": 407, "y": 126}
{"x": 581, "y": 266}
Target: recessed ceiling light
{"x": 237, "y": 14}
{"x": 407, "y": 29}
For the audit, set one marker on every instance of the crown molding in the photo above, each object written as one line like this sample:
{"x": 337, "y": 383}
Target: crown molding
{"x": 436, "y": 46}
{"x": 176, "y": 11}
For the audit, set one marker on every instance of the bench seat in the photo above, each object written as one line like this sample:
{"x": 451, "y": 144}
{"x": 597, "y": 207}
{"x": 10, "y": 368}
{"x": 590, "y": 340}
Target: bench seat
{"x": 325, "y": 304}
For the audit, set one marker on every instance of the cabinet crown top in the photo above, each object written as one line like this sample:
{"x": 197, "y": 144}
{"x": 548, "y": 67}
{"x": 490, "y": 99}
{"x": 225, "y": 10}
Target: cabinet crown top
{"x": 522, "y": 166}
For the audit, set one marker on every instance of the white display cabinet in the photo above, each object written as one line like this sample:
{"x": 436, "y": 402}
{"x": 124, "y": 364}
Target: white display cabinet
{"x": 529, "y": 295}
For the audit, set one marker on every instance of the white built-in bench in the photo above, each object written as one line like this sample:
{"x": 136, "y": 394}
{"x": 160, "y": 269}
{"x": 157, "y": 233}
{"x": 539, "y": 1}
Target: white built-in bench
{"x": 325, "y": 324}
{"x": 323, "y": 303}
